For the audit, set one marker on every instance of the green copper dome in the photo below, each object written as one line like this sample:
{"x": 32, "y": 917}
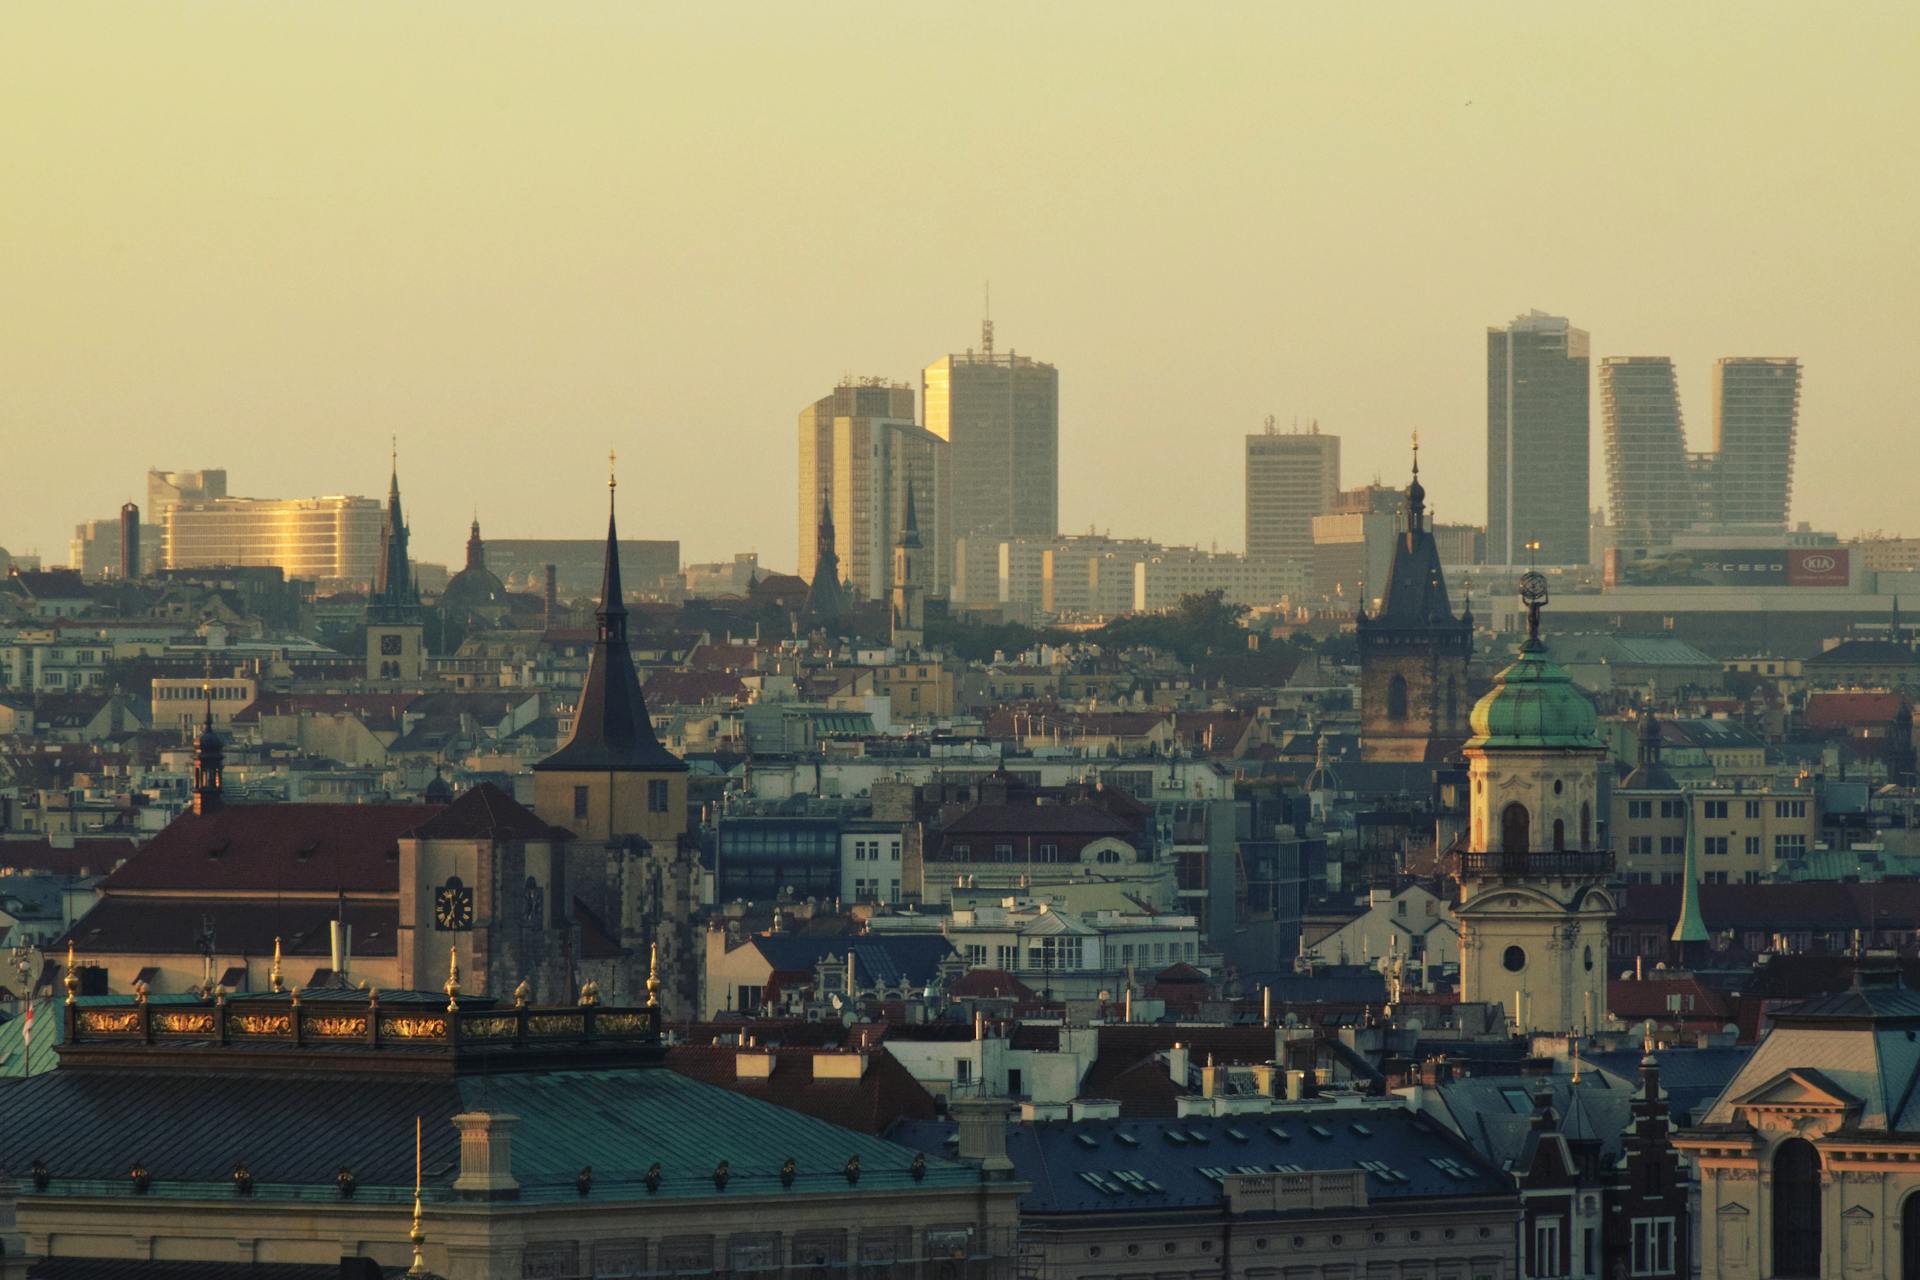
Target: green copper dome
{"x": 1534, "y": 705}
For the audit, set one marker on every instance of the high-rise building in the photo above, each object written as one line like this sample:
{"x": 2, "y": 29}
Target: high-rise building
{"x": 335, "y": 540}
{"x": 861, "y": 450}
{"x": 1756, "y": 410}
{"x": 1650, "y": 489}
{"x": 1291, "y": 479}
{"x": 1000, "y": 416}
{"x": 1537, "y": 441}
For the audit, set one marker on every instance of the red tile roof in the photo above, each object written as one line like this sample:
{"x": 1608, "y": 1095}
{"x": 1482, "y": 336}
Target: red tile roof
{"x": 486, "y": 812}
{"x": 991, "y": 984}
{"x": 692, "y": 688}
{"x": 276, "y": 848}
{"x": 886, "y": 1091}
{"x": 86, "y": 857}
{"x": 1840, "y": 709}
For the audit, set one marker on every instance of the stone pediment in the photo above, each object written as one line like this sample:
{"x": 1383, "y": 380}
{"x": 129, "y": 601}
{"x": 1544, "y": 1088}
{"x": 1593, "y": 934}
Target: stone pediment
{"x": 1801, "y": 1091}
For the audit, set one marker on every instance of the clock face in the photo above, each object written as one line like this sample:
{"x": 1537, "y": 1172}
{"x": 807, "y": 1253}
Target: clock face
{"x": 390, "y": 645}
{"x": 453, "y": 905}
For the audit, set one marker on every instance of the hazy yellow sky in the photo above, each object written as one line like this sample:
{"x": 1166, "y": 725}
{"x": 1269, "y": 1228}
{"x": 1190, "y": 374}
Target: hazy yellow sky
{"x": 267, "y": 235}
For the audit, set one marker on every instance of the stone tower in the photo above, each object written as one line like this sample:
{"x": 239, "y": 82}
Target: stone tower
{"x": 1535, "y": 892}
{"x": 909, "y": 606}
{"x": 1413, "y": 651}
{"x": 612, "y": 784}
{"x": 396, "y": 629}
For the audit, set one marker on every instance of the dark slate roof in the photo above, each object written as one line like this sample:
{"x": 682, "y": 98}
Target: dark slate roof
{"x": 1689, "y": 1078}
{"x": 241, "y": 926}
{"x": 1052, "y": 1157}
{"x": 486, "y": 812}
{"x": 1495, "y": 1113}
{"x": 90, "y": 1124}
{"x": 291, "y": 848}
{"x": 612, "y": 731}
{"x": 878, "y": 959}
{"x": 1882, "y": 652}
{"x": 1038, "y": 819}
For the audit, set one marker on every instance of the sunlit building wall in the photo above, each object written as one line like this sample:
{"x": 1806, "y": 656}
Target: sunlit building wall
{"x": 860, "y": 446}
{"x": 333, "y": 540}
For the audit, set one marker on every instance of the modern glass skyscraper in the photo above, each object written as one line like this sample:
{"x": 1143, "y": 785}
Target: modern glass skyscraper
{"x": 1537, "y": 441}
{"x": 1756, "y": 413}
{"x": 1291, "y": 478}
{"x": 860, "y": 448}
{"x": 1000, "y": 415}
{"x": 1649, "y": 489}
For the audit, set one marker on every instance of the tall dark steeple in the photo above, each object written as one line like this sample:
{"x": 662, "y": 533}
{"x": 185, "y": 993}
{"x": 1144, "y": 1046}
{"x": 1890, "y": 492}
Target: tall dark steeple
{"x": 909, "y": 610}
{"x": 825, "y": 600}
{"x": 209, "y": 762}
{"x": 612, "y": 731}
{"x": 1413, "y": 650}
{"x": 395, "y": 598}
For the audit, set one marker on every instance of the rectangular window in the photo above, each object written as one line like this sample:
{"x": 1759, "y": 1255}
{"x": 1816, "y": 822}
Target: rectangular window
{"x": 893, "y": 894}
{"x": 1713, "y": 877}
{"x": 1003, "y": 956}
{"x": 1790, "y": 808}
{"x": 1753, "y": 846}
{"x": 963, "y": 1071}
{"x": 1049, "y": 852}
{"x": 1715, "y": 809}
{"x": 1652, "y": 1246}
{"x": 1672, "y": 809}
{"x": 977, "y": 955}
{"x": 1639, "y": 845}
{"x": 656, "y": 795}
{"x": 1546, "y": 1248}
{"x": 1003, "y": 851}
{"x": 1753, "y": 808}
{"x": 1717, "y": 845}
{"x": 579, "y": 802}
{"x": 1672, "y": 845}
{"x": 893, "y": 849}
{"x": 1789, "y": 846}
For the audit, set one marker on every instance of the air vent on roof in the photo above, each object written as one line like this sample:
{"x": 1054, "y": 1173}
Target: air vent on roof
{"x": 1086, "y": 1140}
{"x": 1126, "y": 1139}
{"x": 1176, "y": 1137}
{"x": 1361, "y": 1129}
{"x": 1319, "y": 1131}
{"x": 1236, "y": 1135}
{"x": 1279, "y": 1134}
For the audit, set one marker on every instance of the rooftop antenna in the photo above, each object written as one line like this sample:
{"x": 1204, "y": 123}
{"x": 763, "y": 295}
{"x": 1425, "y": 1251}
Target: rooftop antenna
{"x": 986, "y": 322}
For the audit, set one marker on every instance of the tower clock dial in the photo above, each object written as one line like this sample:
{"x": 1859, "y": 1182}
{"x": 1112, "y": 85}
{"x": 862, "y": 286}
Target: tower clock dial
{"x": 453, "y": 906}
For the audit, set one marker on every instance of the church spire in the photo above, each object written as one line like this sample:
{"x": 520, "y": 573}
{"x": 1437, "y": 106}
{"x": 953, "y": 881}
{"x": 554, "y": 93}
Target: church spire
{"x": 209, "y": 760}
{"x": 825, "y": 601}
{"x": 1691, "y": 926}
{"x": 394, "y": 592}
{"x": 612, "y": 731}
{"x": 910, "y": 529}
{"x": 1416, "y": 493}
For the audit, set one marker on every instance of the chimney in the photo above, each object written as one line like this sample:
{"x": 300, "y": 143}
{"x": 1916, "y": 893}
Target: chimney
{"x": 342, "y": 955}
{"x": 1263, "y": 1077}
{"x": 1212, "y": 1079}
{"x": 1177, "y": 1065}
{"x": 982, "y": 1129}
{"x": 486, "y": 1156}
{"x": 1266, "y": 1007}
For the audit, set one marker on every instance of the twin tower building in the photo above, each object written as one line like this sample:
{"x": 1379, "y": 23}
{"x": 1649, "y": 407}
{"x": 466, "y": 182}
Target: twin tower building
{"x": 1535, "y": 878}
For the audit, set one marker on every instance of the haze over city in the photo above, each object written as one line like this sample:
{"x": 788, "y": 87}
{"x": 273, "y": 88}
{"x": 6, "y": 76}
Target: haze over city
{"x": 270, "y": 238}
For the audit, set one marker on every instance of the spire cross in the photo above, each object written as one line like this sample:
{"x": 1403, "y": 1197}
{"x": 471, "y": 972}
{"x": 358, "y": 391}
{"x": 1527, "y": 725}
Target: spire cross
{"x": 613, "y": 479}
{"x": 1416, "y": 453}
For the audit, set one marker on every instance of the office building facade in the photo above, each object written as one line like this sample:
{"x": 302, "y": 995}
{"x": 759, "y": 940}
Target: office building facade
{"x": 1537, "y": 441}
{"x": 1000, "y": 416}
{"x": 1291, "y": 479}
{"x": 861, "y": 450}
{"x": 1650, "y": 487}
{"x": 332, "y": 540}
{"x": 1756, "y": 416}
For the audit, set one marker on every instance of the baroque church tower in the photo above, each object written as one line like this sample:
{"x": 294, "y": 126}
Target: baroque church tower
{"x": 1413, "y": 651}
{"x": 613, "y": 784}
{"x": 1535, "y": 891}
{"x": 396, "y": 628}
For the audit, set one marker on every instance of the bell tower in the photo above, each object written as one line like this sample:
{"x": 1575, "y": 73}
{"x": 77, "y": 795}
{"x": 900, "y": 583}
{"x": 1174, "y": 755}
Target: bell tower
{"x": 909, "y": 605}
{"x": 396, "y": 629}
{"x": 1535, "y": 892}
{"x": 1413, "y": 650}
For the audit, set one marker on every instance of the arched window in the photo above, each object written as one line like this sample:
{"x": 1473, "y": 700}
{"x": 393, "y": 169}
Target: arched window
{"x": 1397, "y": 698}
{"x": 1796, "y": 1209}
{"x": 1514, "y": 828}
{"x": 1559, "y": 835}
{"x": 1586, "y": 825}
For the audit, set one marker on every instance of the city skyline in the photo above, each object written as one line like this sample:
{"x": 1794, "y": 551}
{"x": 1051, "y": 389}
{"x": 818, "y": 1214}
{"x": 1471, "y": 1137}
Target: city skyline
{"x": 242, "y": 289}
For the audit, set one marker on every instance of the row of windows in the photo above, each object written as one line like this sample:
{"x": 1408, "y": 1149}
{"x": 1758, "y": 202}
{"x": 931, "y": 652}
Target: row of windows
{"x": 1712, "y": 810}
{"x": 657, "y": 798}
{"x": 1784, "y": 846}
{"x": 869, "y": 850}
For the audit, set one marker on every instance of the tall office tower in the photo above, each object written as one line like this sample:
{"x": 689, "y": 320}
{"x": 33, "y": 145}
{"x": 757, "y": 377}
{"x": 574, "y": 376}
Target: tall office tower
{"x": 1756, "y": 409}
{"x": 1649, "y": 487}
{"x": 1290, "y": 479}
{"x": 1537, "y": 440}
{"x": 861, "y": 451}
{"x": 131, "y": 567}
{"x": 1000, "y": 415}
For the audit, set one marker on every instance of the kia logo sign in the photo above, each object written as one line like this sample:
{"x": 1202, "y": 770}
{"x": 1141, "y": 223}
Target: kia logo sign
{"x": 1819, "y": 564}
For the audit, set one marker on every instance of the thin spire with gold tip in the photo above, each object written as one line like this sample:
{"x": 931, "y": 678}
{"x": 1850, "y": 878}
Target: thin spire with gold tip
{"x": 418, "y": 1234}
{"x": 274, "y": 978}
{"x": 452, "y": 987}
{"x": 71, "y": 981}
{"x": 653, "y": 975}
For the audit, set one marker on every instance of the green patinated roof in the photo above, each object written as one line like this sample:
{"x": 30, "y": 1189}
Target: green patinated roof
{"x": 1534, "y": 705}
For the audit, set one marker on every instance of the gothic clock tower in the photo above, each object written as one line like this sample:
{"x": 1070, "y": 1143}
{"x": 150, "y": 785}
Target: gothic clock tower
{"x": 1535, "y": 891}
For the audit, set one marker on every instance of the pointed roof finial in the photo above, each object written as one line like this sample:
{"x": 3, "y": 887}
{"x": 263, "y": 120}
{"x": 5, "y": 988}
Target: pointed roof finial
{"x": 653, "y": 975}
{"x": 274, "y": 978}
{"x": 418, "y": 1234}
{"x": 613, "y": 478}
{"x": 71, "y": 979}
{"x": 452, "y": 984}
{"x": 986, "y": 322}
